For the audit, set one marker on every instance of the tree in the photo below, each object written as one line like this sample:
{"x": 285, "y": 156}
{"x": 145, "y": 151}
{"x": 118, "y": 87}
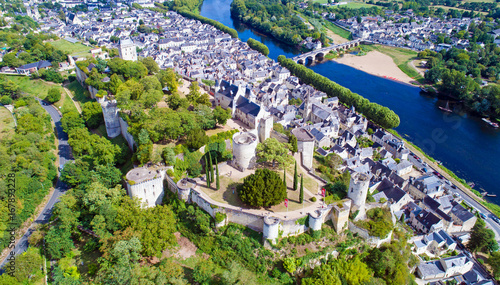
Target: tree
{"x": 295, "y": 177}
{"x": 168, "y": 78}
{"x": 217, "y": 179}
{"x": 72, "y": 120}
{"x": 150, "y": 64}
{"x": 481, "y": 238}
{"x": 58, "y": 242}
{"x": 196, "y": 138}
{"x": 211, "y": 167}
{"x": 293, "y": 144}
{"x": 114, "y": 83}
{"x": 301, "y": 197}
{"x": 494, "y": 262}
{"x": 92, "y": 114}
{"x": 222, "y": 115}
{"x": 263, "y": 188}
{"x": 284, "y": 176}
{"x": 28, "y": 265}
{"x": 289, "y": 264}
{"x": 272, "y": 150}
{"x": 53, "y": 95}
{"x": 194, "y": 93}
{"x": 207, "y": 174}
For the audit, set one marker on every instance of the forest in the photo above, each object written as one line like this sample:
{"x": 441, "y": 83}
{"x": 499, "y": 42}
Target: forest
{"x": 29, "y": 154}
{"x": 460, "y": 73}
{"x": 274, "y": 18}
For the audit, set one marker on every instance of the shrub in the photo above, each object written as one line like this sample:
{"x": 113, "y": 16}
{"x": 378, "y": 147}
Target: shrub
{"x": 219, "y": 217}
{"x": 53, "y": 95}
{"x": 5, "y": 100}
{"x": 313, "y": 199}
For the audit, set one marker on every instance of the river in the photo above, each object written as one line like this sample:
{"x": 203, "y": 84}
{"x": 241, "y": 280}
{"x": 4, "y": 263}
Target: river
{"x": 464, "y": 144}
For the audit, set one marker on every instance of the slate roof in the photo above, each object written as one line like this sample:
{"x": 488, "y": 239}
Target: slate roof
{"x": 248, "y": 107}
{"x": 394, "y": 193}
{"x": 428, "y": 219}
{"x": 461, "y": 213}
{"x": 39, "y": 64}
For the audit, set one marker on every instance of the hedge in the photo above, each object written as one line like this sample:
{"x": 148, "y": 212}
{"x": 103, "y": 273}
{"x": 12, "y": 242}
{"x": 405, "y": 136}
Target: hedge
{"x": 381, "y": 115}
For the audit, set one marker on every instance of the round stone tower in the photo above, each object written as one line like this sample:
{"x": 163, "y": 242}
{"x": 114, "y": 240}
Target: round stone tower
{"x": 244, "y": 145}
{"x": 271, "y": 228}
{"x": 358, "y": 189}
{"x": 146, "y": 184}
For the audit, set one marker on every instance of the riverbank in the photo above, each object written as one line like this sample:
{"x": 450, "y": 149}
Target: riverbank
{"x": 376, "y": 63}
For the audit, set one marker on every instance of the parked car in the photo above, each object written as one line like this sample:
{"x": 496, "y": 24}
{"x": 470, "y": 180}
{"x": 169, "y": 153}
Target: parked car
{"x": 494, "y": 218}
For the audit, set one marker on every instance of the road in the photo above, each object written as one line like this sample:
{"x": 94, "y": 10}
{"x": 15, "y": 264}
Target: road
{"x": 60, "y": 188}
{"x": 490, "y": 223}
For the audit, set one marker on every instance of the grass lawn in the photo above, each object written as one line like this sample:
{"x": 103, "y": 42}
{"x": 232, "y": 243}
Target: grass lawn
{"x": 65, "y": 104}
{"x": 38, "y": 87}
{"x": 80, "y": 94}
{"x": 6, "y": 123}
{"x": 70, "y": 48}
{"x": 446, "y": 8}
{"x": 401, "y": 57}
{"x": 338, "y": 30}
{"x": 357, "y": 5}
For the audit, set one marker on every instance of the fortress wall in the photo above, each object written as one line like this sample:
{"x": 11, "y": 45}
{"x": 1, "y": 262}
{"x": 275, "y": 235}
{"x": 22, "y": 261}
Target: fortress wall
{"x": 254, "y": 222}
{"x": 202, "y": 203}
{"x": 128, "y": 137}
{"x": 293, "y": 227}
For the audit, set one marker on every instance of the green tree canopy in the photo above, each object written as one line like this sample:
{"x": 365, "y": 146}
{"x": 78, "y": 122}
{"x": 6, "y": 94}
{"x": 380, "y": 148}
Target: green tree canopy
{"x": 263, "y": 188}
{"x": 92, "y": 114}
{"x": 271, "y": 150}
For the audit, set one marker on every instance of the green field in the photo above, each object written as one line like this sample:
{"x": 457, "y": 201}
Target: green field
{"x": 70, "y": 48}
{"x": 37, "y": 88}
{"x": 338, "y": 30}
{"x": 6, "y": 123}
{"x": 401, "y": 57}
{"x": 79, "y": 93}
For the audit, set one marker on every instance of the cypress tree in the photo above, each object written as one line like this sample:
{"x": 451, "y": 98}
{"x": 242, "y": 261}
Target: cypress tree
{"x": 217, "y": 182}
{"x": 284, "y": 176}
{"x": 206, "y": 172}
{"x": 295, "y": 178}
{"x": 301, "y": 189}
{"x": 211, "y": 168}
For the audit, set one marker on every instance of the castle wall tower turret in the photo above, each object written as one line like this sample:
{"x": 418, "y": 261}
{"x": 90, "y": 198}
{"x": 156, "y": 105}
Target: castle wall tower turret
{"x": 244, "y": 145}
{"x": 111, "y": 118}
{"x": 146, "y": 184}
{"x": 358, "y": 189}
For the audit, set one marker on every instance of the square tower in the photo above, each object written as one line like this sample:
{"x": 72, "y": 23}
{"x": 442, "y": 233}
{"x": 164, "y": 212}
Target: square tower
{"x": 127, "y": 50}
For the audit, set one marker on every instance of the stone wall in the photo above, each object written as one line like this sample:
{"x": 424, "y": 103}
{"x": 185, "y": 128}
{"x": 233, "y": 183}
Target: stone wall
{"x": 128, "y": 137}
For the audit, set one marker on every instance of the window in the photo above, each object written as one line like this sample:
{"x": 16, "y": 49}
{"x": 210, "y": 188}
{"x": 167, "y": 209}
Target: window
{"x": 144, "y": 190}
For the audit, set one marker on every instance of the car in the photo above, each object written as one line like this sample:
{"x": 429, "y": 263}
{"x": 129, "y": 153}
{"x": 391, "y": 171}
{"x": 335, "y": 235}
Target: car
{"x": 425, "y": 169}
{"x": 436, "y": 173}
{"x": 494, "y": 218}
{"x": 453, "y": 186}
{"x": 483, "y": 216}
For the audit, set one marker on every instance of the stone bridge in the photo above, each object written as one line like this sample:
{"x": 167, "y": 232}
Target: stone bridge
{"x": 320, "y": 53}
